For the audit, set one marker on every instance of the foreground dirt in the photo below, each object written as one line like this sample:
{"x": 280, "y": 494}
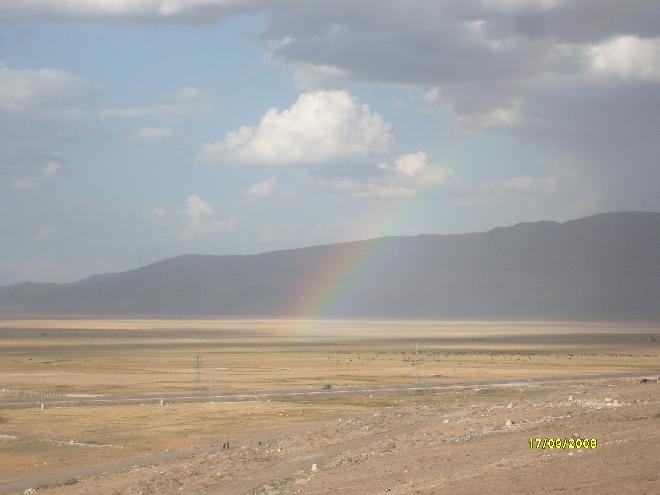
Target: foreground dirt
{"x": 449, "y": 442}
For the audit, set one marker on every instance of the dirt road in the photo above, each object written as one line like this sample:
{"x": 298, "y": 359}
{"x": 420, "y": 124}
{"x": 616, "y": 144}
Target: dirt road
{"x": 283, "y": 394}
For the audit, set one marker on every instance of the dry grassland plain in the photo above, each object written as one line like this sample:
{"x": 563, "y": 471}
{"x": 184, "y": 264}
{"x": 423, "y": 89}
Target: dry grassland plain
{"x": 408, "y": 441}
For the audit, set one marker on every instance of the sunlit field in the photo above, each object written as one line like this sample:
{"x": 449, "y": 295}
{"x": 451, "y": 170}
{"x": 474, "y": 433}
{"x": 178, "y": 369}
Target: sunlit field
{"x": 96, "y": 356}
{"x": 494, "y": 368}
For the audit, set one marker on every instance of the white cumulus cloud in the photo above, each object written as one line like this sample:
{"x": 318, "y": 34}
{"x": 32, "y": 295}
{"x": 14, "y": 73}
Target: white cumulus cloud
{"x": 311, "y": 76}
{"x": 320, "y": 126}
{"x": 152, "y": 134}
{"x": 43, "y": 234}
{"x": 201, "y": 219}
{"x": 262, "y": 189}
{"x": 156, "y": 215}
{"x": 523, "y": 184}
{"x": 410, "y": 175}
{"x": 502, "y": 117}
{"x": 186, "y": 101}
{"x": 433, "y": 96}
{"x": 628, "y": 57}
{"x": 44, "y": 176}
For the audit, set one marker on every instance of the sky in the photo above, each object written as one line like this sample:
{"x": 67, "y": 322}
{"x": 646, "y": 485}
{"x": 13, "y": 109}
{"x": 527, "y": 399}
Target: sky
{"x": 132, "y": 131}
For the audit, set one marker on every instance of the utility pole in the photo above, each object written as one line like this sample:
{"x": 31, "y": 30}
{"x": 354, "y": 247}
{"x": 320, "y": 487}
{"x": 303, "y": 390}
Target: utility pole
{"x": 210, "y": 371}
{"x": 198, "y": 373}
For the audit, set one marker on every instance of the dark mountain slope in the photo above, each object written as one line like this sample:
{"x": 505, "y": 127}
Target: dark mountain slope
{"x": 604, "y": 267}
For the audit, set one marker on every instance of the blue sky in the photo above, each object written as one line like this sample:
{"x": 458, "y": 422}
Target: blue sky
{"x": 168, "y": 127}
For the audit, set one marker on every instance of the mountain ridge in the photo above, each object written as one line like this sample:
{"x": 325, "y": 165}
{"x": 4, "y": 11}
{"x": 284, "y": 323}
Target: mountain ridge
{"x": 605, "y": 266}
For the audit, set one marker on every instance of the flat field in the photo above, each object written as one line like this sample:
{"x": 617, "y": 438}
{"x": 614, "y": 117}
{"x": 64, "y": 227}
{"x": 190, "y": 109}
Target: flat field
{"x": 366, "y": 441}
{"x": 95, "y": 356}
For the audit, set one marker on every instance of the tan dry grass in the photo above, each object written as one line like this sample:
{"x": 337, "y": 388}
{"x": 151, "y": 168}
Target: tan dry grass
{"x": 134, "y": 356}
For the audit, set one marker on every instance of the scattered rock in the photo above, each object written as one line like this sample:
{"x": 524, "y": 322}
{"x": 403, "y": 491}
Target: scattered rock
{"x": 570, "y": 397}
{"x": 315, "y": 468}
{"x": 509, "y": 422}
{"x": 510, "y": 406}
{"x": 445, "y": 422}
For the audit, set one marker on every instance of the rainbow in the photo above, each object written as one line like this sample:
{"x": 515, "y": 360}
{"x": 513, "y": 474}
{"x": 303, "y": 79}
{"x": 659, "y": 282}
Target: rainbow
{"x": 332, "y": 283}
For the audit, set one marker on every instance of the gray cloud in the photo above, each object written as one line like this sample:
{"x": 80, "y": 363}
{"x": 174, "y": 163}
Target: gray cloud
{"x": 135, "y": 11}
{"x": 39, "y": 110}
{"x": 581, "y": 78}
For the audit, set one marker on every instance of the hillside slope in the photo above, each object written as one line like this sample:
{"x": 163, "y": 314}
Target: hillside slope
{"x": 603, "y": 267}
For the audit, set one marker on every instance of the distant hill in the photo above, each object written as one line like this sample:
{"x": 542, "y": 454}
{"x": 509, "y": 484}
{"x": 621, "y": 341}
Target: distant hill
{"x": 603, "y": 267}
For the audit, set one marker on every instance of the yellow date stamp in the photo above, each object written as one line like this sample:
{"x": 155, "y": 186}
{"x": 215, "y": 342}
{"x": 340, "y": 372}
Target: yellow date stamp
{"x": 563, "y": 443}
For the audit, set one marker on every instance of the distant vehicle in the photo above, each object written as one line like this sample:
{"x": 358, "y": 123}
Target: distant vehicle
{"x": 327, "y": 386}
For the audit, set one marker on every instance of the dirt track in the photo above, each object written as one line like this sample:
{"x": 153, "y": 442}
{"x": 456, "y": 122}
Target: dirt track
{"x": 283, "y": 394}
{"x": 284, "y": 468}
